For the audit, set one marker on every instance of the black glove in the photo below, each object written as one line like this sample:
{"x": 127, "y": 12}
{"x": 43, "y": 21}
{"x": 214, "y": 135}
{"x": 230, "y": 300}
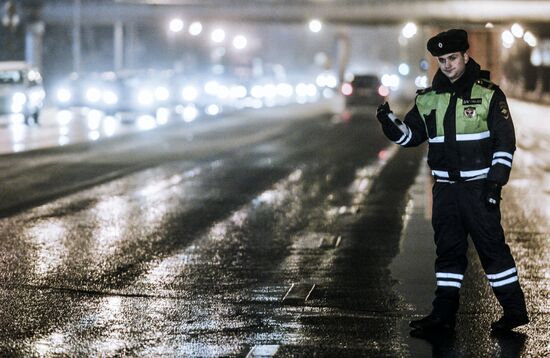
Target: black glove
{"x": 492, "y": 194}
{"x": 382, "y": 113}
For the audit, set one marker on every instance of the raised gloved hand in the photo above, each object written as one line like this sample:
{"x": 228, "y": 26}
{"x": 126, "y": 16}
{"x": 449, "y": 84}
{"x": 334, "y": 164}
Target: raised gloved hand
{"x": 492, "y": 194}
{"x": 382, "y": 113}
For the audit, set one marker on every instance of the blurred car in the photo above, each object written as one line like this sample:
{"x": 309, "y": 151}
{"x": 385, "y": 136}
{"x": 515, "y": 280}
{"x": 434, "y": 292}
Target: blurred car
{"x": 138, "y": 92}
{"x": 21, "y": 90}
{"x": 126, "y": 93}
{"x": 364, "y": 90}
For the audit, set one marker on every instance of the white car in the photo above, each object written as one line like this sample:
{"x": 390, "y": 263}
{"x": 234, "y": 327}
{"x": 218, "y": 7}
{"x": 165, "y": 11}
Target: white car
{"x": 21, "y": 90}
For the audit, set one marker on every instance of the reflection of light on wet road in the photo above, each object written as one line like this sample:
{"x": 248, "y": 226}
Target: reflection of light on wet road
{"x": 359, "y": 188}
{"x": 110, "y": 317}
{"x": 163, "y": 114}
{"x": 48, "y": 239}
{"x": 161, "y": 185}
{"x": 110, "y": 125}
{"x": 19, "y": 132}
{"x": 64, "y": 117}
{"x": 93, "y": 120}
{"x": 145, "y": 123}
{"x": 93, "y": 135}
{"x": 63, "y": 140}
{"x": 111, "y": 219}
{"x": 51, "y": 344}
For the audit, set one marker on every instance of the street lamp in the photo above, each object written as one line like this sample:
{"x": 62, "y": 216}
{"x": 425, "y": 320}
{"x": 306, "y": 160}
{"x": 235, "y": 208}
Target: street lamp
{"x": 195, "y": 28}
{"x": 507, "y": 39}
{"x": 176, "y": 25}
{"x": 239, "y": 42}
{"x": 315, "y": 25}
{"x": 218, "y": 35}
{"x": 517, "y": 30}
{"x": 409, "y": 30}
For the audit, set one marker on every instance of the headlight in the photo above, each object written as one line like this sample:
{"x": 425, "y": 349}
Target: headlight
{"x": 110, "y": 98}
{"x": 64, "y": 95}
{"x": 145, "y": 97}
{"x": 238, "y": 91}
{"x": 18, "y": 101}
{"x": 257, "y": 91}
{"x": 162, "y": 94}
{"x": 93, "y": 95}
{"x": 19, "y": 98}
{"x": 189, "y": 93}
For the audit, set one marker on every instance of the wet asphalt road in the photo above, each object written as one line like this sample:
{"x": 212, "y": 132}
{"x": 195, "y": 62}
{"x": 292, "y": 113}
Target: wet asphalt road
{"x": 206, "y": 240}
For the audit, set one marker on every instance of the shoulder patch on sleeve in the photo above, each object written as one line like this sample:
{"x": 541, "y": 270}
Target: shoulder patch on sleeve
{"x": 503, "y": 109}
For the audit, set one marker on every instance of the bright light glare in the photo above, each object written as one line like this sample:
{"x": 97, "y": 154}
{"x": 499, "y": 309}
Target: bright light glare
{"x": 301, "y": 89}
{"x": 270, "y": 90}
{"x": 238, "y": 91}
{"x": 93, "y": 95}
{"x": 421, "y": 81}
{"x": 93, "y": 135}
{"x": 64, "y": 95}
{"x": 223, "y": 92}
{"x": 64, "y": 118}
{"x": 409, "y": 30}
{"x": 530, "y": 39}
{"x": 146, "y": 122}
{"x": 162, "y": 93}
{"x": 391, "y": 81}
{"x": 315, "y": 26}
{"x": 110, "y": 125}
{"x": 110, "y": 98}
{"x": 195, "y": 28}
{"x": 19, "y": 98}
{"x": 212, "y": 110}
{"x": 93, "y": 120}
{"x": 383, "y": 91}
{"x": 404, "y": 69}
{"x": 257, "y": 91}
{"x": 326, "y": 80}
{"x": 163, "y": 115}
{"x": 240, "y": 42}
{"x": 218, "y": 35}
{"x": 190, "y": 113}
{"x": 347, "y": 89}
{"x": 145, "y": 97}
{"x": 211, "y": 87}
{"x": 189, "y": 93}
{"x": 517, "y": 30}
{"x": 507, "y": 39}
{"x": 285, "y": 90}
{"x": 311, "y": 90}
{"x": 176, "y": 25}
{"x": 536, "y": 57}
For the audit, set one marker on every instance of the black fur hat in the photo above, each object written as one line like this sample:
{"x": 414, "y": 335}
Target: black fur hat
{"x": 453, "y": 40}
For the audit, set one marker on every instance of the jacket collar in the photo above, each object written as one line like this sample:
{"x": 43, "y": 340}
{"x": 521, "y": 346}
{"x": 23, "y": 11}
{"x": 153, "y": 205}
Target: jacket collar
{"x": 463, "y": 85}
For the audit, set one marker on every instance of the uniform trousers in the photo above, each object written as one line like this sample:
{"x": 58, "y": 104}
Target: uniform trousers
{"x": 459, "y": 211}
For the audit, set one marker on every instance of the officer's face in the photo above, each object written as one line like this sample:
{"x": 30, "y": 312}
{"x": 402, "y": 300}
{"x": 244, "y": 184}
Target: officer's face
{"x": 453, "y": 64}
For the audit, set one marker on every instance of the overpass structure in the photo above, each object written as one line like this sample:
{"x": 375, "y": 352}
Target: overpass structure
{"x": 125, "y": 15}
{"x": 336, "y": 11}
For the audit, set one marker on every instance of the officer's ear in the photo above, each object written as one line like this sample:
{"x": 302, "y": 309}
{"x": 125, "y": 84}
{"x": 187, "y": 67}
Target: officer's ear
{"x": 466, "y": 57}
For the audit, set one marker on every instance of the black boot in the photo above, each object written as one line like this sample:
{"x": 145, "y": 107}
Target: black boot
{"x": 432, "y": 323}
{"x": 510, "y": 321}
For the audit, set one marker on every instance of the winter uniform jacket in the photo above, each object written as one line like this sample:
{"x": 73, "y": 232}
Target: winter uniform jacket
{"x": 467, "y": 125}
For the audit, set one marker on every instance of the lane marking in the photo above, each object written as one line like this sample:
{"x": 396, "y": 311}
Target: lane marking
{"x": 298, "y": 293}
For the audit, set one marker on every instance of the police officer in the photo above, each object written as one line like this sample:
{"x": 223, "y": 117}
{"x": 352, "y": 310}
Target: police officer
{"x": 466, "y": 121}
